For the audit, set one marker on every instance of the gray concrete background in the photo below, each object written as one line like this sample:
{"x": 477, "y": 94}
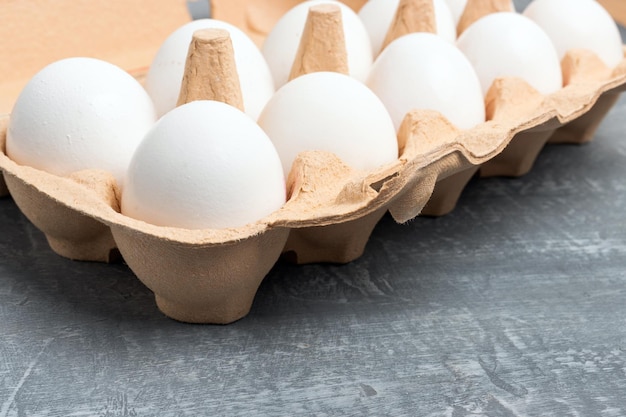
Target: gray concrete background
{"x": 513, "y": 305}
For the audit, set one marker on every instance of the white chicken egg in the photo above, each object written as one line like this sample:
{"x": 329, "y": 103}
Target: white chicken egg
{"x": 507, "y": 44}
{"x": 281, "y": 45}
{"x": 582, "y": 24}
{"x": 205, "y": 164}
{"x": 377, "y": 16}
{"x": 166, "y": 71}
{"x": 79, "y": 113}
{"x": 423, "y": 71}
{"x": 331, "y": 112}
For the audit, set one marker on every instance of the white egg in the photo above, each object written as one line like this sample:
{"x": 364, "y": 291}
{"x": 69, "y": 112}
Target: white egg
{"x": 508, "y": 44}
{"x": 582, "y": 24}
{"x": 166, "y": 71}
{"x": 205, "y": 164}
{"x": 330, "y": 112}
{"x": 281, "y": 44}
{"x": 79, "y": 113}
{"x": 377, "y": 16}
{"x": 423, "y": 71}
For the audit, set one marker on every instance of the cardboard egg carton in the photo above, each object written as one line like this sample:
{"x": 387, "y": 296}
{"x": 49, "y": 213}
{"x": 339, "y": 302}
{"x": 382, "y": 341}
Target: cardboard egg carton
{"x": 211, "y": 276}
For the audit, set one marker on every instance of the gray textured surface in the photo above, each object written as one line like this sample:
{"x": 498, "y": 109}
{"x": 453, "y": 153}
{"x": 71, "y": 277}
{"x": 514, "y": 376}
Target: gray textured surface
{"x": 513, "y": 305}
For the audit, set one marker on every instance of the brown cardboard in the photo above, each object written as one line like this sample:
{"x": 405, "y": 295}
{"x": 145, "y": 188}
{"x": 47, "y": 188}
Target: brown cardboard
{"x": 70, "y": 234}
{"x": 582, "y": 66}
{"x": 411, "y": 16}
{"x": 196, "y": 282}
{"x": 475, "y": 9}
{"x": 519, "y": 156}
{"x": 257, "y": 17}
{"x": 210, "y": 70}
{"x": 322, "y": 45}
{"x": 335, "y": 243}
{"x": 582, "y": 129}
{"x": 211, "y": 276}
{"x": 447, "y": 192}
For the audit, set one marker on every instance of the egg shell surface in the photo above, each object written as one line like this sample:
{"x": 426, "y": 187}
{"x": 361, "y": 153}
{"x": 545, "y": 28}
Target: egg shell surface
{"x": 507, "y": 44}
{"x": 79, "y": 113}
{"x": 281, "y": 45}
{"x": 377, "y": 16}
{"x": 581, "y": 24}
{"x": 205, "y": 164}
{"x": 165, "y": 75}
{"x": 330, "y": 112}
{"x": 423, "y": 71}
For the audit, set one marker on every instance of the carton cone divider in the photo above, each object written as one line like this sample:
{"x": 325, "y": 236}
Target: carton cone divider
{"x": 210, "y": 70}
{"x": 475, "y": 9}
{"x": 322, "y": 45}
{"x": 412, "y": 16}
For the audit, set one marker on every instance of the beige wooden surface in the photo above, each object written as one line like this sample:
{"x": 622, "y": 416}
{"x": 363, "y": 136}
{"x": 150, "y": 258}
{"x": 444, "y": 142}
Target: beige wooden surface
{"x": 38, "y": 32}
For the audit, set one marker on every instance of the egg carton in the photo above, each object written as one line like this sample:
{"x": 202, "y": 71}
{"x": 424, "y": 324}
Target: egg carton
{"x": 212, "y": 276}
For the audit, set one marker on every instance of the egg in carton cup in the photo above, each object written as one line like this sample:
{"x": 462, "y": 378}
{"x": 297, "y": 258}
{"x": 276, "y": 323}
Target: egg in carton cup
{"x": 211, "y": 276}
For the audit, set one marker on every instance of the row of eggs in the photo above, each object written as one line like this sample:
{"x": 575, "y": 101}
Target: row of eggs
{"x": 205, "y": 164}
